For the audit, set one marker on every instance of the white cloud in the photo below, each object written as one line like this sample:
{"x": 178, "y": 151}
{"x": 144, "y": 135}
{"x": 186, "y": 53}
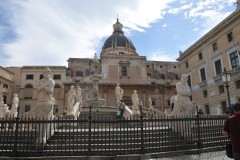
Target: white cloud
{"x": 196, "y": 29}
{"x": 50, "y": 31}
{"x": 161, "y": 55}
{"x": 164, "y": 25}
{"x": 205, "y": 14}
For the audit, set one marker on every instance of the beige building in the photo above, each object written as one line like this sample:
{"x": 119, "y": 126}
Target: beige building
{"x": 6, "y": 85}
{"x": 25, "y": 84}
{"x": 204, "y": 62}
{"x": 120, "y": 63}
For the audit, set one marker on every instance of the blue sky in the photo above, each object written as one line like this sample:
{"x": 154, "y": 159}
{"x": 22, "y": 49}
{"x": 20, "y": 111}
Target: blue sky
{"x": 48, "y": 32}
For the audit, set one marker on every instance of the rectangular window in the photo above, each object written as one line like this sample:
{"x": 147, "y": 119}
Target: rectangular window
{"x": 234, "y": 59}
{"x": 214, "y": 45}
{"x": 186, "y": 64}
{"x": 221, "y": 89}
{"x": 87, "y": 72}
{"x": 205, "y": 94}
{"x": 153, "y": 103}
{"x": 218, "y": 67}
{"x": 168, "y": 102}
{"x": 200, "y": 56}
{"x": 224, "y": 106}
{"x": 79, "y": 74}
{"x": 230, "y": 37}
{"x": 5, "y": 99}
{"x": 207, "y": 109}
{"x": 124, "y": 71}
{"x": 27, "y": 97}
{"x": 5, "y": 86}
{"x": 27, "y": 108}
{"x": 29, "y": 76}
{"x": 238, "y": 84}
{"x": 55, "y": 109}
{"x": 57, "y": 76}
{"x": 41, "y": 76}
{"x": 162, "y": 76}
{"x": 203, "y": 74}
{"x": 189, "y": 81}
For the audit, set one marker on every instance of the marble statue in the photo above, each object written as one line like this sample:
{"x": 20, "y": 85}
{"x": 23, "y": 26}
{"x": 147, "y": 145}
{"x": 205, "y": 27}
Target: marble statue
{"x": 150, "y": 102}
{"x": 44, "y": 106}
{"x": 183, "y": 105}
{"x": 96, "y": 64}
{"x": 135, "y": 102}
{"x": 1, "y": 106}
{"x": 5, "y": 114}
{"x": 5, "y": 111}
{"x": 79, "y": 94}
{"x": 119, "y": 93}
{"x": 71, "y": 95}
{"x": 14, "y": 108}
{"x": 172, "y": 101}
{"x": 219, "y": 110}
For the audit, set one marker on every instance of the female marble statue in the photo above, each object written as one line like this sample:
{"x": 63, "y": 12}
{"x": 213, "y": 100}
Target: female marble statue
{"x": 150, "y": 102}
{"x": 71, "y": 100}
{"x": 14, "y": 108}
{"x": 182, "y": 104}
{"x": 119, "y": 93}
{"x": 78, "y": 94}
{"x": 135, "y": 102}
{"x": 1, "y": 106}
{"x": 44, "y": 107}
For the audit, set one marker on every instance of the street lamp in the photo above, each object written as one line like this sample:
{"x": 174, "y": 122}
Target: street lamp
{"x": 226, "y": 77}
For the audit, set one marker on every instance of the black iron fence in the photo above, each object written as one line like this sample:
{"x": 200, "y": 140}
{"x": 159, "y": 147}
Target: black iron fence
{"x": 109, "y": 136}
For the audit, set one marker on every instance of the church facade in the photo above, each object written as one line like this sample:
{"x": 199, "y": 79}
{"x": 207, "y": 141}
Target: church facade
{"x": 120, "y": 63}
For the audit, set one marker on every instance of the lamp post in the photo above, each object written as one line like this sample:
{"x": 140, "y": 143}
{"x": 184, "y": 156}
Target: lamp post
{"x": 226, "y": 77}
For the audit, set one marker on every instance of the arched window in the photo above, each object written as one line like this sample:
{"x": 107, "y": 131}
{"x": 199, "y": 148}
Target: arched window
{"x": 29, "y": 86}
{"x": 57, "y": 86}
{"x": 79, "y": 74}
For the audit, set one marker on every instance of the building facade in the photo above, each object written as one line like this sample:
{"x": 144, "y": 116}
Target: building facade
{"x": 204, "y": 61}
{"x": 26, "y": 79}
{"x": 6, "y": 85}
{"x": 120, "y": 63}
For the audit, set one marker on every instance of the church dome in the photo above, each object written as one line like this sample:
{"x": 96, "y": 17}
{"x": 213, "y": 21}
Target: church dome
{"x": 118, "y": 43}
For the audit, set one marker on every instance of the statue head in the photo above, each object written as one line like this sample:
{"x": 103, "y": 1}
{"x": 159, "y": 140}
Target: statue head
{"x": 5, "y": 107}
{"x": 72, "y": 87}
{"x": 47, "y": 73}
{"x": 15, "y": 95}
{"x": 184, "y": 78}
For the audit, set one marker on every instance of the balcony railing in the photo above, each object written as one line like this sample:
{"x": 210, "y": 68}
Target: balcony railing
{"x": 235, "y": 71}
{"x": 217, "y": 78}
{"x": 202, "y": 84}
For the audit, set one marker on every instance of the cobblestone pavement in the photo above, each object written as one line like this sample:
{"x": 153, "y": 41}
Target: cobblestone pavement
{"x": 218, "y": 155}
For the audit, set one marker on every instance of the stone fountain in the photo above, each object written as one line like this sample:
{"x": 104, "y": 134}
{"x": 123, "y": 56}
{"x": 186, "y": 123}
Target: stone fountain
{"x": 96, "y": 101}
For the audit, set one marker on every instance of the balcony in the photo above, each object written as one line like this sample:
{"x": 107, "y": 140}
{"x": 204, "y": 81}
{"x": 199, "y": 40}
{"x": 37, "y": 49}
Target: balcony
{"x": 202, "y": 84}
{"x": 235, "y": 71}
{"x": 217, "y": 78}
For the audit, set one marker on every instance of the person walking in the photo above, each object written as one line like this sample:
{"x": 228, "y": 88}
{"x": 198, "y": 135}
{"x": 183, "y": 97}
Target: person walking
{"x": 121, "y": 108}
{"x": 232, "y": 128}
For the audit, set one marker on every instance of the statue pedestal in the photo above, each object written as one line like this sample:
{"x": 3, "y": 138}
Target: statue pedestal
{"x": 96, "y": 102}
